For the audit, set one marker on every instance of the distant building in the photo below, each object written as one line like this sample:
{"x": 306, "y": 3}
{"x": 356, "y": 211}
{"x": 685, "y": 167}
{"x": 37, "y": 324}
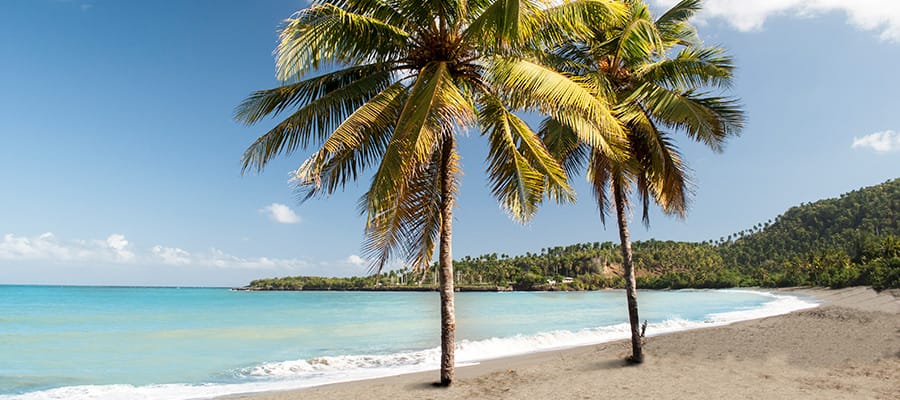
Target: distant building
{"x": 568, "y": 280}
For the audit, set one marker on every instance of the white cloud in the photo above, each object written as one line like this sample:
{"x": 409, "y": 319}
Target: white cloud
{"x": 882, "y": 16}
{"x": 280, "y": 213}
{"x": 881, "y": 142}
{"x": 356, "y": 260}
{"x": 219, "y": 258}
{"x": 172, "y": 255}
{"x": 117, "y": 250}
{"x": 119, "y": 247}
{"x": 46, "y": 246}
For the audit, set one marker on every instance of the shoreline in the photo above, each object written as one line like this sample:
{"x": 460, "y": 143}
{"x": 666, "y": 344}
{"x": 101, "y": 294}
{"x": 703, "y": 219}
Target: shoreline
{"x": 848, "y": 347}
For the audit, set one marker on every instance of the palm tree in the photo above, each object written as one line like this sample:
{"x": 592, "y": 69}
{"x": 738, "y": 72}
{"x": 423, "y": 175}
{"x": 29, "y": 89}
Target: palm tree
{"x": 659, "y": 75}
{"x": 386, "y": 85}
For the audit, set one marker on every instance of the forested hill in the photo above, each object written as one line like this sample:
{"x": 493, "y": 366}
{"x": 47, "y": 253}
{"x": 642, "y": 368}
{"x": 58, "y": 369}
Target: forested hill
{"x": 850, "y": 240}
{"x": 855, "y": 224}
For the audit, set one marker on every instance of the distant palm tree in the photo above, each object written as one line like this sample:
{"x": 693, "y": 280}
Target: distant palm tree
{"x": 658, "y": 72}
{"x": 388, "y": 84}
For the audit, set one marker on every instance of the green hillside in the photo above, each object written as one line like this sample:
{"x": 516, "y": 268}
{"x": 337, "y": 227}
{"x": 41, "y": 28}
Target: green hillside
{"x": 850, "y": 240}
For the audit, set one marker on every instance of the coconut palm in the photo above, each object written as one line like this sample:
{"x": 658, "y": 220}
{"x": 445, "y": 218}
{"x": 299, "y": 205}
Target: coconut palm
{"x": 385, "y": 86}
{"x": 663, "y": 80}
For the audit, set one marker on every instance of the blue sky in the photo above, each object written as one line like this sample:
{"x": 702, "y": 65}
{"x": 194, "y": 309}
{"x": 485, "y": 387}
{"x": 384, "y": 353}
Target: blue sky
{"x": 120, "y": 160}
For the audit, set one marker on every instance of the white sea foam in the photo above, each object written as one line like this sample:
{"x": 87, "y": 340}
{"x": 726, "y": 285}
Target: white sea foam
{"x": 325, "y": 370}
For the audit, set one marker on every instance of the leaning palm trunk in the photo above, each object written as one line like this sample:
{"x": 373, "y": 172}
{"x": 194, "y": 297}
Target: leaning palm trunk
{"x": 445, "y": 257}
{"x": 637, "y": 355}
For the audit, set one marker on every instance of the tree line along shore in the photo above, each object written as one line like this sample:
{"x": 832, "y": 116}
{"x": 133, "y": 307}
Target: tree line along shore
{"x": 846, "y": 241}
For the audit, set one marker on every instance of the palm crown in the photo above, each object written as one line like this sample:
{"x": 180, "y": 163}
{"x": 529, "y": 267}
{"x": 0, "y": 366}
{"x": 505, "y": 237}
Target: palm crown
{"x": 661, "y": 79}
{"x": 658, "y": 76}
{"x": 403, "y": 76}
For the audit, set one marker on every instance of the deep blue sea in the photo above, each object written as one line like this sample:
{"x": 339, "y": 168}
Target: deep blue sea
{"x": 186, "y": 343}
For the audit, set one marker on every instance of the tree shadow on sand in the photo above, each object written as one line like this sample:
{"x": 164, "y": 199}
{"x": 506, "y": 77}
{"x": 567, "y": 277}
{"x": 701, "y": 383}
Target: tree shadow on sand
{"x": 611, "y": 364}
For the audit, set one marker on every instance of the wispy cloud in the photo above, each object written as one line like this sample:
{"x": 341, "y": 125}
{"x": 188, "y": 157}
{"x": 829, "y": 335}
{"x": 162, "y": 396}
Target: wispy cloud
{"x": 280, "y": 213}
{"x": 881, "y": 16}
{"x": 219, "y": 258}
{"x": 880, "y": 142}
{"x": 171, "y": 255}
{"x": 117, "y": 250}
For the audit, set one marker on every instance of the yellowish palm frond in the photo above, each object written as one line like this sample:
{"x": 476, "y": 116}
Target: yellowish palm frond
{"x": 564, "y": 145}
{"x": 324, "y": 102}
{"x": 355, "y": 144}
{"x": 409, "y": 225}
{"x": 559, "y": 22}
{"x": 324, "y": 34}
{"x": 434, "y": 105}
{"x": 638, "y": 39}
{"x": 529, "y": 85}
{"x": 599, "y": 176}
{"x": 690, "y": 68}
{"x": 657, "y": 163}
{"x": 520, "y": 168}
{"x": 673, "y": 25}
{"x": 705, "y": 118}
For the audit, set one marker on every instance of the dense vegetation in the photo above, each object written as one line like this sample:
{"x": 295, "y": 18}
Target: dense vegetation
{"x": 850, "y": 240}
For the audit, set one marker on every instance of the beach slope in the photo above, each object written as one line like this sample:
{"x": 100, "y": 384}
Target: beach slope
{"x": 848, "y": 348}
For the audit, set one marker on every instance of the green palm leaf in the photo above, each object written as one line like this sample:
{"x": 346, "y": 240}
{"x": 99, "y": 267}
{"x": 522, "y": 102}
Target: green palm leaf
{"x": 325, "y": 33}
{"x": 533, "y": 86}
{"x": 519, "y": 166}
{"x": 355, "y": 144}
{"x": 708, "y": 119}
{"x": 691, "y": 68}
{"x": 326, "y": 100}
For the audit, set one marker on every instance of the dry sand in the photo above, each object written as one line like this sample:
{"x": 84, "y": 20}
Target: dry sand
{"x": 848, "y": 348}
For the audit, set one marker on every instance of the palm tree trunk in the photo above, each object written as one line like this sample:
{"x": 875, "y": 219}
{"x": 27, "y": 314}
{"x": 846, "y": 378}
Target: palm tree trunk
{"x": 637, "y": 355}
{"x": 445, "y": 260}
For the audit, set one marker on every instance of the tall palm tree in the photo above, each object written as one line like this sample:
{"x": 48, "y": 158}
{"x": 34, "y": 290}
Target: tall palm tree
{"x": 386, "y": 85}
{"x": 662, "y": 80}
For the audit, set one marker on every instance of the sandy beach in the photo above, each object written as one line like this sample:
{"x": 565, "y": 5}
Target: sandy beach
{"x": 848, "y": 348}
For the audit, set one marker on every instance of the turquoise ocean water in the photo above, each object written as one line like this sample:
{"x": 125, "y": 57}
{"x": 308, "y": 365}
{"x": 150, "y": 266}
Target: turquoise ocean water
{"x": 185, "y": 343}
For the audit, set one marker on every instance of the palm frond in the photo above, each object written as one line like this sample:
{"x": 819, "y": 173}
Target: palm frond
{"x": 563, "y": 144}
{"x": 681, "y": 12}
{"x": 657, "y": 164}
{"x": 520, "y": 168}
{"x": 383, "y": 10}
{"x": 528, "y": 85}
{"x": 691, "y": 68}
{"x": 559, "y": 22}
{"x": 673, "y": 25}
{"x": 409, "y": 228}
{"x": 434, "y": 103}
{"x": 638, "y": 39}
{"x": 497, "y": 26}
{"x": 705, "y": 118}
{"x": 413, "y": 220}
{"x": 325, "y": 33}
{"x": 572, "y": 58}
{"x": 324, "y": 102}
{"x": 355, "y": 144}
{"x": 434, "y": 15}
{"x": 599, "y": 176}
